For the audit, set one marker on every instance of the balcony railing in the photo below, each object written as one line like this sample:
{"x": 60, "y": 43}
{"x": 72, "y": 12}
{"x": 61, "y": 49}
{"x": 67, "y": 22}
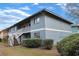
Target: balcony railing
{"x": 22, "y": 30}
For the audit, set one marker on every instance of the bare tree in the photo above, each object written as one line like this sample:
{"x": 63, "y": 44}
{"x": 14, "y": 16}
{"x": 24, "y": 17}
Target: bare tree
{"x": 73, "y": 10}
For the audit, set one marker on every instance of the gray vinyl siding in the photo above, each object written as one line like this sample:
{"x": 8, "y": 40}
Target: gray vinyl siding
{"x": 56, "y": 36}
{"x": 39, "y": 25}
{"x": 13, "y": 29}
{"x": 42, "y": 34}
{"x": 51, "y": 22}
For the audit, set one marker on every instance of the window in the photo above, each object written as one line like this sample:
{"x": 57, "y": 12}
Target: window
{"x": 36, "y": 20}
{"x": 37, "y": 35}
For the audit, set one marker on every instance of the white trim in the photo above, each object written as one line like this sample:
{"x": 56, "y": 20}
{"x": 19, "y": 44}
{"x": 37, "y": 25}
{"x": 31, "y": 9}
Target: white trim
{"x": 49, "y": 30}
{"x": 46, "y": 29}
{"x": 57, "y": 30}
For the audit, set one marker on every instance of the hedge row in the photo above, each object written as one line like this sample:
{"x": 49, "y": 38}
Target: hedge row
{"x": 35, "y": 43}
{"x": 69, "y": 46}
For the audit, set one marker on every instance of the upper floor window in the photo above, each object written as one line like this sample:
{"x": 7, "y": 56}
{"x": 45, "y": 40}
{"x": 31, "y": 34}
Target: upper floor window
{"x": 36, "y": 20}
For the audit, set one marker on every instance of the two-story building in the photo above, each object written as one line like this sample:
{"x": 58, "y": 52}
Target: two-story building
{"x": 43, "y": 24}
{"x": 75, "y": 28}
{"x": 4, "y": 35}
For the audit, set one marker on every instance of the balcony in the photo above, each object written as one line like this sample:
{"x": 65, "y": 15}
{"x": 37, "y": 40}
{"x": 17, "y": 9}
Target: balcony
{"x": 22, "y": 30}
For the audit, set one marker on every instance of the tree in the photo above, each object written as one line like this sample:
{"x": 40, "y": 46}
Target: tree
{"x": 73, "y": 10}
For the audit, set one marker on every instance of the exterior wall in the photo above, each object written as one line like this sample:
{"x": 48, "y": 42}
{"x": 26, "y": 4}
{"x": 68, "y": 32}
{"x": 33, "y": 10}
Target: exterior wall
{"x": 39, "y": 25}
{"x": 42, "y": 34}
{"x": 56, "y": 29}
{"x": 51, "y": 22}
{"x": 13, "y": 29}
{"x": 49, "y": 28}
{"x": 4, "y": 34}
{"x": 75, "y": 29}
{"x": 1, "y": 35}
{"x": 56, "y": 35}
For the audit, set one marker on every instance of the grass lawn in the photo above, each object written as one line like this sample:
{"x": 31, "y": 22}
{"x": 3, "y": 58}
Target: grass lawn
{"x": 22, "y": 51}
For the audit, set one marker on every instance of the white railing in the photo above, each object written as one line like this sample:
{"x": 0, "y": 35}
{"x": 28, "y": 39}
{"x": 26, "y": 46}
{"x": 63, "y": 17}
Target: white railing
{"x": 16, "y": 34}
{"x": 22, "y": 30}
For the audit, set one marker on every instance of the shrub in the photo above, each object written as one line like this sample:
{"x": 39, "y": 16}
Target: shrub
{"x": 31, "y": 43}
{"x": 48, "y": 44}
{"x": 0, "y": 40}
{"x": 34, "y": 43}
{"x": 69, "y": 46}
{"x": 5, "y": 40}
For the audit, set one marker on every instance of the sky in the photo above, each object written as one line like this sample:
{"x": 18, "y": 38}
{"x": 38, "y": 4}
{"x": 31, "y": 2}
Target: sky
{"x": 11, "y": 13}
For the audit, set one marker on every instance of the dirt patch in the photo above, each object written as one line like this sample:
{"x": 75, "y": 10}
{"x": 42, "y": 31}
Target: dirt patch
{"x": 2, "y": 50}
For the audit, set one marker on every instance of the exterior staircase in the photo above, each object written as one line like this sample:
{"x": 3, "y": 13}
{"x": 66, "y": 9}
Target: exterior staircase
{"x": 17, "y": 34}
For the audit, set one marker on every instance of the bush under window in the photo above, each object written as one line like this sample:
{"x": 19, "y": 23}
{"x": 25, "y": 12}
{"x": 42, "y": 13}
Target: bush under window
{"x": 48, "y": 44}
{"x": 31, "y": 43}
{"x": 35, "y": 43}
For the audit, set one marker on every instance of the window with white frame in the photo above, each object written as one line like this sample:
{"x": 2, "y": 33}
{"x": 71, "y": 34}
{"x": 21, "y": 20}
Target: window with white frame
{"x": 37, "y": 35}
{"x": 36, "y": 20}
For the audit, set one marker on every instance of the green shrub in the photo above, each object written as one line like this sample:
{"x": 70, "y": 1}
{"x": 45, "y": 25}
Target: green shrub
{"x": 48, "y": 44}
{"x": 0, "y": 40}
{"x": 35, "y": 43}
{"x": 69, "y": 46}
{"x": 31, "y": 43}
{"x": 5, "y": 40}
